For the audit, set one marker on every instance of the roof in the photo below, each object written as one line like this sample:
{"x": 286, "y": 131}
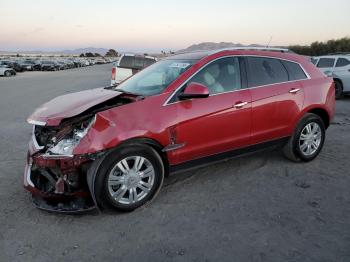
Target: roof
{"x": 197, "y": 55}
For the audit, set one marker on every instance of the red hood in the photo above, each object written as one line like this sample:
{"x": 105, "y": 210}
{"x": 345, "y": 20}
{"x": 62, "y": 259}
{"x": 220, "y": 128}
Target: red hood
{"x": 70, "y": 105}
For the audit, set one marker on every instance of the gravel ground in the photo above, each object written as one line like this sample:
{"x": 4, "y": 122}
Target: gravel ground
{"x": 253, "y": 208}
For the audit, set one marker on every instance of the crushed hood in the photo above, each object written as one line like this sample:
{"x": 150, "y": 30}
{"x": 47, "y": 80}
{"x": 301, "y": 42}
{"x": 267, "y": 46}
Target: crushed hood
{"x": 66, "y": 106}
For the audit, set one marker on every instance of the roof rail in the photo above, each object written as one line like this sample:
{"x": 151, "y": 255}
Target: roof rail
{"x": 273, "y": 49}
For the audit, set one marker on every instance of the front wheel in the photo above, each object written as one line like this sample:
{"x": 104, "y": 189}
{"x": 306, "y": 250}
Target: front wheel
{"x": 308, "y": 139}
{"x": 8, "y": 73}
{"x": 129, "y": 177}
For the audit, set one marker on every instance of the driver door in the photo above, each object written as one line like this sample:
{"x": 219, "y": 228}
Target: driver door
{"x": 218, "y": 123}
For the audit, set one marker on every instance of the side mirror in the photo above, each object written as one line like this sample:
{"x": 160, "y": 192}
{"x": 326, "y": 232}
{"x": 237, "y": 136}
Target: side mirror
{"x": 194, "y": 90}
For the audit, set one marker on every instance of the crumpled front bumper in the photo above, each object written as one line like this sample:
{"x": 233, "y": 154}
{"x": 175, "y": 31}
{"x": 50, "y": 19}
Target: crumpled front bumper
{"x": 50, "y": 192}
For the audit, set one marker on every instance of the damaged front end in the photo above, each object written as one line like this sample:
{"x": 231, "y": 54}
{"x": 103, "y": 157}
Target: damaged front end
{"x": 57, "y": 178}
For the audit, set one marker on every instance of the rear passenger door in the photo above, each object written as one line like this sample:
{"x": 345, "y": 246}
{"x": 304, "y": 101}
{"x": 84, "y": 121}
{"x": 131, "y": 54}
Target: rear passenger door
{"x": 277, "y": 96}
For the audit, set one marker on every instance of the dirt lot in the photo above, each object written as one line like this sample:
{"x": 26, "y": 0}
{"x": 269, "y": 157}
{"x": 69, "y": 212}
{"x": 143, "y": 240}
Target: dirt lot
{"x": 254, "y": 208}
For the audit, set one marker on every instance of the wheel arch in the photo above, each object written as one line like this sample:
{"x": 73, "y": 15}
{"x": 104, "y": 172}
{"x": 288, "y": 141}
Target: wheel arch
{"x": 322, "y": 113}
{"x": 338, "y": 79}
{"x": 158, "y": 147}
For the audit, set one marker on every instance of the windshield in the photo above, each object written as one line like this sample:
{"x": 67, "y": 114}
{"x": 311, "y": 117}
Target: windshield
{"x": 155, "y": 78}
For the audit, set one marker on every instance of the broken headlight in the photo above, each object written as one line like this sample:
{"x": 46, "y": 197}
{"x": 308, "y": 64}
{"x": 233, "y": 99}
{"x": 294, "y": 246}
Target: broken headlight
{"x": 66, "y": 145}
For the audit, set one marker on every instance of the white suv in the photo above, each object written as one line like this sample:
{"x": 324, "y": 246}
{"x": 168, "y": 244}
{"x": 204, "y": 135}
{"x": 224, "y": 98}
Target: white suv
{"x": 128, "y": 65}
{"x": 337, "y": 66}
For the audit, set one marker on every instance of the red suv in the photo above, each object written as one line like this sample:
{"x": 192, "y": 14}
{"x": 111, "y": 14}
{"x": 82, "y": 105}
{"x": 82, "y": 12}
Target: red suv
{"x": 113, "y": 146}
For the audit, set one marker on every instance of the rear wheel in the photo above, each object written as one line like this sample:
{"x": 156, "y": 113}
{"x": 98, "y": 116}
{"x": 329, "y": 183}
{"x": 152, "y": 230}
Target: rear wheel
{"x": 307, "y": 141}
{"x": 338, "y": 89}
{"x": 129, "y": 177}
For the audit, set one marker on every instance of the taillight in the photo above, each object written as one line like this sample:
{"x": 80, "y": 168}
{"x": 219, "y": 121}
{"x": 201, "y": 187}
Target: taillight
{"x": 114, "y": 72}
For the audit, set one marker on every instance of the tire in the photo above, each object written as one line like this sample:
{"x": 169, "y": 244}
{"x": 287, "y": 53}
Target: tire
{"x": 7, "y": 73}
{"x": 305, "y": 146}
{"x": 338, "y": 89}
{"x": 126, "y": 191}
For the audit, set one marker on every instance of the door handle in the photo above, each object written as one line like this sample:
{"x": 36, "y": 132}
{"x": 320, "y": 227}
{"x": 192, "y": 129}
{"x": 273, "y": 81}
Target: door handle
{"x": 240, "y": 105}
{"x": 294, "y": 90}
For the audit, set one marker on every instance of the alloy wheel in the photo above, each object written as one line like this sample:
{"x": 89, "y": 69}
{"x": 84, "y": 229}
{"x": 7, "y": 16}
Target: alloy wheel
{"x": 310, "y": 139}
{"x": 131, "y": 180}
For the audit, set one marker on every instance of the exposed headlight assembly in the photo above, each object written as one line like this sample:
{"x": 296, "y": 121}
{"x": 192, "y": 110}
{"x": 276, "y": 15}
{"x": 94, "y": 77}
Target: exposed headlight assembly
{"x": 69, "y": 142}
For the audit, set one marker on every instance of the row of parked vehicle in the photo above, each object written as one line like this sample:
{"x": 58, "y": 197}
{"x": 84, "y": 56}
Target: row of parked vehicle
{"x": 338, "y": 67}
{"x": 11, "y": 66}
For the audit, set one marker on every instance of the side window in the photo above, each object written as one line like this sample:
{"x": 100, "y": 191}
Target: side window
{"x": 326, "y": 62}
{"x": 342, "y": 62}
{"x": 220, "y": 76}
{"x": 265, "y": 71}
{"x": 294, "y": 70}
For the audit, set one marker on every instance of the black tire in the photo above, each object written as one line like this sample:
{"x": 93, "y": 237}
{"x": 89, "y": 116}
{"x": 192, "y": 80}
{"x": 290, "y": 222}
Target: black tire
{"x": 338, "y": 89}
{"x": 103, "y": 196}
{"x": 7, "y": 73}
{"x": 292, "y": 150}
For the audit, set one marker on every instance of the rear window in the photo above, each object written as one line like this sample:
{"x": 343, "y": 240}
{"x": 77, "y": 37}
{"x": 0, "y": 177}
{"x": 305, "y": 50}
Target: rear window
{"x": 326, "y": 62}
{"x": 127, "y": 61}
{"x": 294, "y": 70}
{"x": 265, "y": 71}
{"x": 342, "y": 62}
{"x": 135, "y": 62}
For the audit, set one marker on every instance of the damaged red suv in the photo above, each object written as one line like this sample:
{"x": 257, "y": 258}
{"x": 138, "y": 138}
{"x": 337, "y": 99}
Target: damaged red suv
{"x": 112, "y": 147}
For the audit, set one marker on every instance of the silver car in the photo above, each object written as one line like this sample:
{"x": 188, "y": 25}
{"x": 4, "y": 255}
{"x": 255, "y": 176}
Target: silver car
{"x": 337, "y": 66}
{"x": 6, "y": 71}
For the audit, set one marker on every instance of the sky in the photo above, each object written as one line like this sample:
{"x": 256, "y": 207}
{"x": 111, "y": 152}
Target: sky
{"x": 154, "y": 25}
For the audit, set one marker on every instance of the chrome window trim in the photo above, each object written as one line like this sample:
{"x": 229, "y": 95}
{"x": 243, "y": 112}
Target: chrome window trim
{"x": 253, "y": 87}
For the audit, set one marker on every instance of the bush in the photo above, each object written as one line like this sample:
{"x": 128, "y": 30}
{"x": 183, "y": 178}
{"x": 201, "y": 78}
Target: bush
{"x": 323, "y": 48}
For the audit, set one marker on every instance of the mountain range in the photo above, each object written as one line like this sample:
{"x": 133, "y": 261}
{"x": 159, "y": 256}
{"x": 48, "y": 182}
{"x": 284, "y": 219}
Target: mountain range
{"x": 213, "y": 46}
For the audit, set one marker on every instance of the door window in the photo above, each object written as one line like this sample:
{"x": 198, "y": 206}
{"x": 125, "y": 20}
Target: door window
{"x": 326, "y": 62}
{"x": 294, "y": 70}
{"x": 342, "y": 62}
{"x": 220, "y": 76}
{"x": 265, "y": 71}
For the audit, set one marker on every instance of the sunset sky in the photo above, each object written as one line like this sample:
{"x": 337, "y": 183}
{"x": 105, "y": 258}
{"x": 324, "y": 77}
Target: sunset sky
{"x": 162, "y": 25}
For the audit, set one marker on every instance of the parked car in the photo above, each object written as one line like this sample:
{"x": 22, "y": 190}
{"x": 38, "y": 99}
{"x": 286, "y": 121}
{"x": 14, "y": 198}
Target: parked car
{"x": 36, "y": 64}
{"x": 7, "y": 71}
{"x": 26, "y": 65}
{"x": 14, "y": 65}
{"x": 50, "y": 66}
{"x": 128, "y": 65}
{"x": 113, "y": 146}
{"x": 338, "y": 67}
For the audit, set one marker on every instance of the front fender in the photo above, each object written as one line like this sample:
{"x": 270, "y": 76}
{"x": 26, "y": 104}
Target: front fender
{"x": 109, "y": 131}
